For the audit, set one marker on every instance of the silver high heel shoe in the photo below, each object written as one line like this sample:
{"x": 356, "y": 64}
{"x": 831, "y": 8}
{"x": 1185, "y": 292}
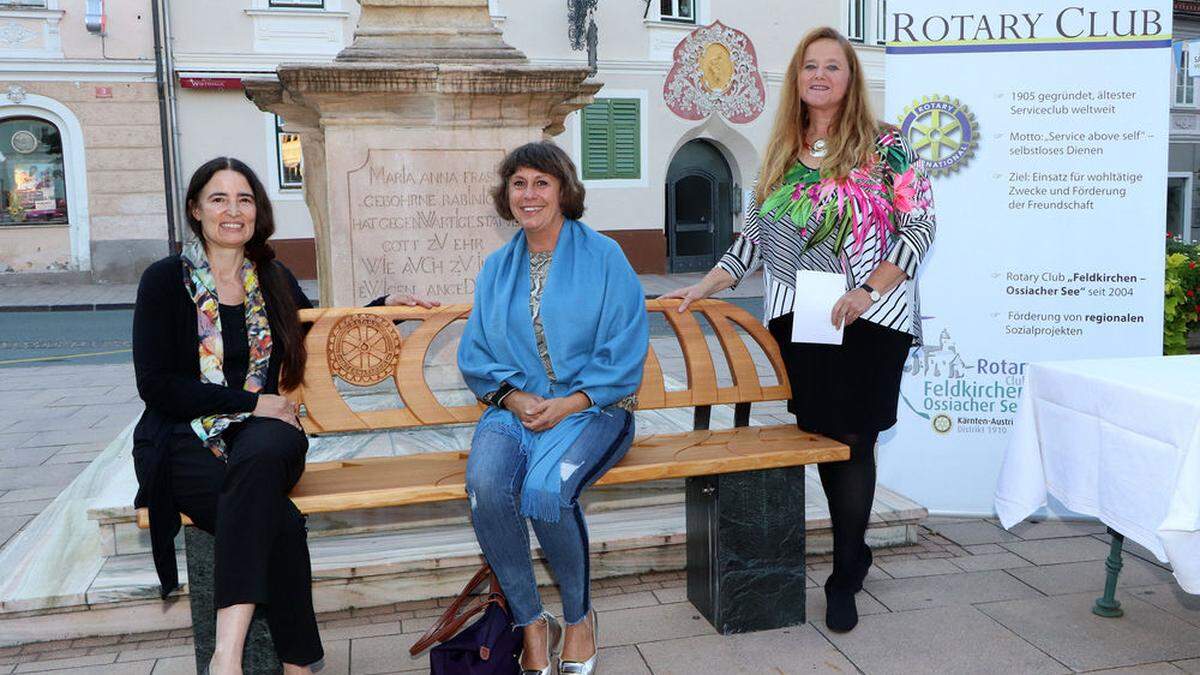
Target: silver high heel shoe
{"x": 554, "y": 633}
{"x": 583, "y": 667}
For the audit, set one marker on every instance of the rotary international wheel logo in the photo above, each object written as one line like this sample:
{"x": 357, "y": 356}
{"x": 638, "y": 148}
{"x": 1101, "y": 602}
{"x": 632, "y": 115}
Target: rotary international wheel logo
{"x": 942, "y": 424}
{"x": 942, "y": 131}
{"x": 363, "y": 349}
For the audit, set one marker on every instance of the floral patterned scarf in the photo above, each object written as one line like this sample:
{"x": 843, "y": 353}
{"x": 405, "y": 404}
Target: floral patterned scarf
{"x": 871, "y": 197}
{"x": 198, "y": 278}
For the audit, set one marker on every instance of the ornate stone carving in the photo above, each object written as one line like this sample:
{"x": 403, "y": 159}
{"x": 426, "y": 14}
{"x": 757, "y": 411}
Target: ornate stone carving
{"x": 716, "y": 70}
{"x": 363, "y": 349}
{"x": 16, "y": 93}
{"x": 14, "y": 34}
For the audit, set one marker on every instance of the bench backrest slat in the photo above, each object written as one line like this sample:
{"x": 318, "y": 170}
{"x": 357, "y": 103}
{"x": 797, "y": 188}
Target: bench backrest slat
{"x": 360, "y": 346}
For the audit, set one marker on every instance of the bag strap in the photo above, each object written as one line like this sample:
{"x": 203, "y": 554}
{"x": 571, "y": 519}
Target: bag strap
{"x": 462, "y": 609}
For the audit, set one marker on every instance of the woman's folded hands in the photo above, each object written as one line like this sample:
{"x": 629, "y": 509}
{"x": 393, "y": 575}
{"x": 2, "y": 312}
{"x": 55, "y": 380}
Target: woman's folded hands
{"x": 539, "y": 414}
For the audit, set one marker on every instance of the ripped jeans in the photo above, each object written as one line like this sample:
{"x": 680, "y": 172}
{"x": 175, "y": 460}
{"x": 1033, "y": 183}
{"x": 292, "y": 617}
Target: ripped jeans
{"x": 495, "y": 473}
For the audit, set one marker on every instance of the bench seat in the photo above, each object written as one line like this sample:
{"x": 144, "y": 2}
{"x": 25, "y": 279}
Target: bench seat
{"x": 439, "y": 476}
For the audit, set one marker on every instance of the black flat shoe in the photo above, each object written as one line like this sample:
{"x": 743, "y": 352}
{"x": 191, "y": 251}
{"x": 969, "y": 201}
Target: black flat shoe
{"x": 841, "y": 613}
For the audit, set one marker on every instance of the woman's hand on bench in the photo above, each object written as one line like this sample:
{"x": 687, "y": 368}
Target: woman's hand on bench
{"x": 405, "y": 300}
{"x": 716, "y": 280}
{"x": 277, "y": 407}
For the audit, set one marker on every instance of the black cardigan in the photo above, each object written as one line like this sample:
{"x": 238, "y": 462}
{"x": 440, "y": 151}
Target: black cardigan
{"x": 166, "y": 347}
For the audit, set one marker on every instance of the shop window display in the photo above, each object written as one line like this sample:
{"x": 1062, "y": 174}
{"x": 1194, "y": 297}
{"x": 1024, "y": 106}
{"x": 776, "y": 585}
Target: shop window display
{"x": 32, "y": 182}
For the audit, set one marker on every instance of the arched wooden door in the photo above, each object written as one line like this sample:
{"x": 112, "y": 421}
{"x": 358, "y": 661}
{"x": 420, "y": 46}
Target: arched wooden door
{"x": 699, "y": 217}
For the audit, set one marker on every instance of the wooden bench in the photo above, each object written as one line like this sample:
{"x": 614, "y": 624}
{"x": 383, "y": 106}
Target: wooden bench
{"x": 745, "y": 485}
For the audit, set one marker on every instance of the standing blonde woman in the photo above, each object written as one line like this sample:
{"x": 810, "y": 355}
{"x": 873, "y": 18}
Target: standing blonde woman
{"x": 837, "y": 192}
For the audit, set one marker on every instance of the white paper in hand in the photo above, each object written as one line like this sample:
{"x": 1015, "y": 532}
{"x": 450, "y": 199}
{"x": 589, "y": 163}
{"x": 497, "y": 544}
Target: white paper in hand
{"x": 816, "y": 294}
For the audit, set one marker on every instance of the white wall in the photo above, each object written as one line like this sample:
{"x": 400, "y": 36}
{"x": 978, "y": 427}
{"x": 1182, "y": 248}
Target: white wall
{"x": 634, "y": 61}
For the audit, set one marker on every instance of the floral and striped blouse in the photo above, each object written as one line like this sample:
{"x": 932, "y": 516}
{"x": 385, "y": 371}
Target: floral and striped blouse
{"x": 882, "y": 211}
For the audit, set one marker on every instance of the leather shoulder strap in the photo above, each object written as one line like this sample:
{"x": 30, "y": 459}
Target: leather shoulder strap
{"x": 464, "y": 607}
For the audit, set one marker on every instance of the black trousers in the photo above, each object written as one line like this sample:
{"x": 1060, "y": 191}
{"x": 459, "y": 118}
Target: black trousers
{"x": 261, "y": 552}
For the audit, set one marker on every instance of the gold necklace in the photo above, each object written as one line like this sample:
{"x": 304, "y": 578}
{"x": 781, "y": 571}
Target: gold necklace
{"x": 819, "y": 148}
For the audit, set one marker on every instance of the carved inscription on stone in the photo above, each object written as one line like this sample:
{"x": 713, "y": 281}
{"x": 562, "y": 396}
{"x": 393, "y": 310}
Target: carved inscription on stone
{"x": 421, "y": 222}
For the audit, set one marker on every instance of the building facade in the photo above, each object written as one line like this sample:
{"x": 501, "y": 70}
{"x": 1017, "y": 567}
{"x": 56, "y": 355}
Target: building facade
{"x": 107, "y": 107}
{"x": 1183, "y": 177}
{"x": 82, "y": 183}
{"x": 670, "y": 188}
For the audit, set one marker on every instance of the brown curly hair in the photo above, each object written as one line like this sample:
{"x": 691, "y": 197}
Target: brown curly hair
{"x": 547, "y": 158}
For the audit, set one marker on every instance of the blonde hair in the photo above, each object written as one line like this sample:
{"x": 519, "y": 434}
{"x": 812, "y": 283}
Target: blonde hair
{"x": 851, "y": 138}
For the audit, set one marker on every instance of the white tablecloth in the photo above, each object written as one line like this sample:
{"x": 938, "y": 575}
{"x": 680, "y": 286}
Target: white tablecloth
{"x": 1118, "y": 439}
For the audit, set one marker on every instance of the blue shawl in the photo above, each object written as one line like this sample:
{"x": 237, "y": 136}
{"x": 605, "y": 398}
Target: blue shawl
{"x": 594, "y": 318}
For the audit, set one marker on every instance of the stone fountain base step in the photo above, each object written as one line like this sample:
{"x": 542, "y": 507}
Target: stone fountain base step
{"x": 413, "y": 563}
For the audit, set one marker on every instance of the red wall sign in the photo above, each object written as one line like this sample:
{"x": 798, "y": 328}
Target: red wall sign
{"x": 210, "y": 82}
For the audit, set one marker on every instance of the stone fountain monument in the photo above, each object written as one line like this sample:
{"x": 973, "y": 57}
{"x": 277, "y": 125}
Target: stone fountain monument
{"x": 401, "y": 136}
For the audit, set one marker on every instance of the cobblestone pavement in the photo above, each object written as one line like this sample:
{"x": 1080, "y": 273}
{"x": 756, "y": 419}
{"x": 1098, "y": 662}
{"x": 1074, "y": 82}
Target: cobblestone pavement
{"x": 53, "y": 421}
{"x": 970, "y": 597}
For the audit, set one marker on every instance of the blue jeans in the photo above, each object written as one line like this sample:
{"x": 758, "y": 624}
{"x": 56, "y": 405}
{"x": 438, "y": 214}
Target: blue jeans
{"x": 495, "y": 473}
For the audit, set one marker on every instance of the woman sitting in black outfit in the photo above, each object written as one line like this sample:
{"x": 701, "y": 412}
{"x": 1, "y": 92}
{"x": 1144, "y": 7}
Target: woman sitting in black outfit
{"x": 215, "y": 336}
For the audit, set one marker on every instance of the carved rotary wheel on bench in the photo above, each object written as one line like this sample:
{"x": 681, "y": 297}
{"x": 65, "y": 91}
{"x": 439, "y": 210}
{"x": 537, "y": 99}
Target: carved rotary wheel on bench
{"x": 363, "y": 349}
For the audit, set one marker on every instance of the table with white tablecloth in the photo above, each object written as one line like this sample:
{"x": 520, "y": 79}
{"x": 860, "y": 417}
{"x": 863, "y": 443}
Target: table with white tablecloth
{"x": 1118, "y": 439}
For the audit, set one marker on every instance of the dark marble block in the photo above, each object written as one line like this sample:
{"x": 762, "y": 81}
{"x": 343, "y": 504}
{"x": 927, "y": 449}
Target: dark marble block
{"x": 745, "y": 548}
{"x": 258, "y": 656}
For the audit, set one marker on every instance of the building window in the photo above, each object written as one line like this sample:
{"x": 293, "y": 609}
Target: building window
{"x": 1185, "y": 87}
{"x": 683, "y": 11}
{"x": 866, "y": 21}
{"x": 611, "y": 136}
{"x": 1179, "y": 205}
{"x": 33, "y": 188}
{"x": 288, "y": 158}
{"x": 318, "y": 4}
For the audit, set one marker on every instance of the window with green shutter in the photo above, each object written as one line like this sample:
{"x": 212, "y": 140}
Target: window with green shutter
{"x": 612, "y": 139}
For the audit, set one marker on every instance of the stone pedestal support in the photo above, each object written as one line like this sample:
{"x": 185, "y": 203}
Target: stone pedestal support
{"x": 401, "y": 135}
{"x": 745, "y": 549}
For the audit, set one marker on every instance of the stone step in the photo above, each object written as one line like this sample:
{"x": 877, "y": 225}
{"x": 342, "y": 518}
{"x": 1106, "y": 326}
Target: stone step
{"x": 120, "y": 535}
{"x": 368, "y": 569}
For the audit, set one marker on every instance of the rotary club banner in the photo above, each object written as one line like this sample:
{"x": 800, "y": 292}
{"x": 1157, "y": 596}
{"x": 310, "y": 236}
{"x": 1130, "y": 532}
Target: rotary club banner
{"x": 1045, "y": 127}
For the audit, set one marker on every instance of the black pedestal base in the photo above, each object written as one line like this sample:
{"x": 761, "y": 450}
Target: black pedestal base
{"x": 259, "y": 654}
{"x": 745, "y": 548}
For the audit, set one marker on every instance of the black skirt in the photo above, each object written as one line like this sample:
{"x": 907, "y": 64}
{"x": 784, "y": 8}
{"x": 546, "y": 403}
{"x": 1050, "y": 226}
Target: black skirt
{"x": 851, "y": 388}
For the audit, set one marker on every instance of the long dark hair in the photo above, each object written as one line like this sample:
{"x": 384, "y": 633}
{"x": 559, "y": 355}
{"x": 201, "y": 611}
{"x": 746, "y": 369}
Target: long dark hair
{"x": 281, "y": 306}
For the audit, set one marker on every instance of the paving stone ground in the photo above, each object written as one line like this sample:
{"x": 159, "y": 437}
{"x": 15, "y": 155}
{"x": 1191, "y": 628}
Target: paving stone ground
{"x": 927, "y": 608}
{"x": 54, "y": 420}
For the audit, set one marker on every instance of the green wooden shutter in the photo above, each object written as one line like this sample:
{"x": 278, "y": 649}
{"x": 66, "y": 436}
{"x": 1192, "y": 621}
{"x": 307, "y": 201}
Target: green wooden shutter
{"x": 627, "y": 138}
{"x": 597, "y": 137}
{"x": 612, "y": 139}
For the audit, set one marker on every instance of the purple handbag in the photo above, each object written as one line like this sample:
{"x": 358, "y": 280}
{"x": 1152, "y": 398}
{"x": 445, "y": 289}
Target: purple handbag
{"x": 490, "y": 646}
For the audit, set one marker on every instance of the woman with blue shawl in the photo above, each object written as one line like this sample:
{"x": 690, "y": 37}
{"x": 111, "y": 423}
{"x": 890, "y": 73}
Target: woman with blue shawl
{"x": 554, "y": 346}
